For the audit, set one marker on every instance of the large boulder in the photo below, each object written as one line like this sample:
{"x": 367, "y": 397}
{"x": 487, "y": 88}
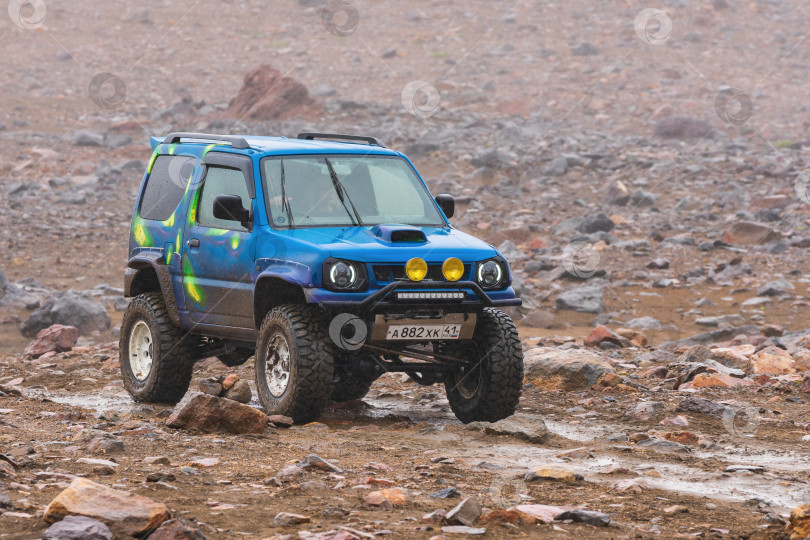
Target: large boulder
{"x": 56, "y": 338}
{"x": 126, "y": 514}
{"x": 82, "y": 312}
{"x": 586, "y": 299}
{"x": 267, "y": 94}
{"x": 71, "y": 309}
{"x": 569, "y": 369}
{"x": 204, "y": 412}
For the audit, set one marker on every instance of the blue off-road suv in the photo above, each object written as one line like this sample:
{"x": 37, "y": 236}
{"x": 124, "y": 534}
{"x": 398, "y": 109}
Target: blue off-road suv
{"x": 325, "y": 256}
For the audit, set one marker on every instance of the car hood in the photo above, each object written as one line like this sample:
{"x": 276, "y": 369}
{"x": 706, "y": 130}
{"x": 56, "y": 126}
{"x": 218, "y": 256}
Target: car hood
{"x": 367, "y": 244}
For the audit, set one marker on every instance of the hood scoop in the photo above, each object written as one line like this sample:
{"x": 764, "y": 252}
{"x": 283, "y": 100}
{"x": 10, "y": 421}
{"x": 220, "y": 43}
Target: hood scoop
{"x": 399, "y": 234}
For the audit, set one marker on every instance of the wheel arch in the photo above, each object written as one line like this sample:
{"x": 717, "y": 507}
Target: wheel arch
{"x": 145, "y": 274}
{"x": 271, "y": 291}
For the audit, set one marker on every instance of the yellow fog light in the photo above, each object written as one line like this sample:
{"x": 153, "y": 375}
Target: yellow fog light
{"x": 416, "y": 269}
{"x": 453, "y": 269}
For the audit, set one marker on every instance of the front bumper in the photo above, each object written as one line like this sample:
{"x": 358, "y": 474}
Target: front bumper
{"x": 386, "y": 297}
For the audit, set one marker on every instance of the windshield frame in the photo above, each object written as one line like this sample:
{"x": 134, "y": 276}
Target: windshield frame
{"x": 343, "y": 155}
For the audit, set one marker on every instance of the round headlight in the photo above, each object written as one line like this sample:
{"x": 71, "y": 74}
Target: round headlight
{"x": 416, "y": 269}
{"x": 453, "y": 269}
{"x": 343, "y": 274}
{"x": 490, "y": 274}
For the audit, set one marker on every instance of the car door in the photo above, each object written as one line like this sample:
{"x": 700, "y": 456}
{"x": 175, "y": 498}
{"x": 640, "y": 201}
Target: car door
{"x": 218, "y": 258}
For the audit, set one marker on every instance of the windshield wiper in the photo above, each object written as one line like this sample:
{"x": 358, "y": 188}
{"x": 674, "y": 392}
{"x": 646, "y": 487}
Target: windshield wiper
{"x": 285, "y": 205}
{"x": 342, "y": 193}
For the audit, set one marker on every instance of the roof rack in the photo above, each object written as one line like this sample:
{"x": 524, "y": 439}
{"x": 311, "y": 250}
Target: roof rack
{"x": 238, "y": 143}
{"x": 371, "y": 141}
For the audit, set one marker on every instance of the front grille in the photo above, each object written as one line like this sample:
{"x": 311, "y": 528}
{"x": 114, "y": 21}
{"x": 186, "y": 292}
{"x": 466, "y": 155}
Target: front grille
{"x": 385, "y": 273}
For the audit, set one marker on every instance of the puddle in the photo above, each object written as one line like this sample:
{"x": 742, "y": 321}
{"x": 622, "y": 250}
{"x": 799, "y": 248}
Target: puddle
{"x": 117, "y": 400}
{"x": 775, "y": 486}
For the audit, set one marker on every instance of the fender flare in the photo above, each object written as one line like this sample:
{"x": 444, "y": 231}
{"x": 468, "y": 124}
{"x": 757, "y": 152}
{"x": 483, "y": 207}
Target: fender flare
{"x": 153, "y": 260}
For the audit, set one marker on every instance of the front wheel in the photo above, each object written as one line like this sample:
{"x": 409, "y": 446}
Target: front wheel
{"x": 156, "y": 357}
{"x": 487, "y": 388}
{"x": 294, "y": 363}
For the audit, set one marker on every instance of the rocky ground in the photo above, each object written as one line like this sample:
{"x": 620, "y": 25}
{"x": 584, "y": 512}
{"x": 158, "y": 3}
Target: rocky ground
{"x": 645, "y": 173}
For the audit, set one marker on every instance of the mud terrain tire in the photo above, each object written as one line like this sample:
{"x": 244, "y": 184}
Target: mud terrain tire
{"x": 165, "y": 374}
{"x": 489, "y": 389}
{"x": 294, "y": 344}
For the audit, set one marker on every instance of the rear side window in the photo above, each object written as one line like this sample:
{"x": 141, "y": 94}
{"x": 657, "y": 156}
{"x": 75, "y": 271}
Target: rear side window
{"x": 221, "y": 181}
{"x": 165, "y": 186}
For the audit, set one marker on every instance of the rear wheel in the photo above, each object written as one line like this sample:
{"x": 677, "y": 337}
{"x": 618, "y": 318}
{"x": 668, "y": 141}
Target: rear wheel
{"x": 489, "y": 387}
{"x": 156, "y": 357}
{"x": 294, "y": 363}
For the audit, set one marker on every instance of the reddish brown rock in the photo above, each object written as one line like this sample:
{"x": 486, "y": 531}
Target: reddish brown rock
{"x": 56, "y": 338}
{"x": 229, "y": 381}
{"x": 540, "y": 512}
{"x": 600, "y": 334}
{"x": 198, "y": 411}
{"x": 387, "y": 498}
{"x": 703, "y": 380}
{"x": 267, "y": 94}
{"x": 771, "y": 361}
{"x": 799, "y": 526}
{"x": 636, "y": 338}
{"x": 126, "y": 514}
{"x": 683, "y": 437}
{"x": 749, "y": 233}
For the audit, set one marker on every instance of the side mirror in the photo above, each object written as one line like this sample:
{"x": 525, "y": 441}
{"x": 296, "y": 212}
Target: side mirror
{"x": 229, "y": 208}
{"x": 447, "y": 203}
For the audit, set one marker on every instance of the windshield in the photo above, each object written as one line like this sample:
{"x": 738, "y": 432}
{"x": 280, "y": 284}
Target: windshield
{"x": 345, "y": 190}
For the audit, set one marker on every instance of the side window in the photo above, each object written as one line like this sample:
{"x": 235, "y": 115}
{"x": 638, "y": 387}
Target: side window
{"x": 221, "y": 181}
{"x": 165, "y": 186}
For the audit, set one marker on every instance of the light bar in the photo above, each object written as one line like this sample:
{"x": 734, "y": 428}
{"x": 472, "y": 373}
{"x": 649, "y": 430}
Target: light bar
{"x": 422, "y": 295}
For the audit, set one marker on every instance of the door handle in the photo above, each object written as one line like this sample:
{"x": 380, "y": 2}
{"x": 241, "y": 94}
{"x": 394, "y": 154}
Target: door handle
{"x": 194, "y": 242}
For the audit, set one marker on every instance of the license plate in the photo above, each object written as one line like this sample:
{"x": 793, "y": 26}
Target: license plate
{"x": 423, "y": 331}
